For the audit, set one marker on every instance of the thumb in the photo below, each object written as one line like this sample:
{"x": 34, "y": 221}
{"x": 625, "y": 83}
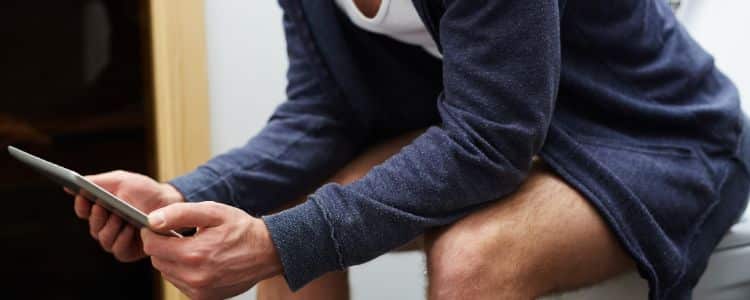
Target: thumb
{"x": 186, "y": 215}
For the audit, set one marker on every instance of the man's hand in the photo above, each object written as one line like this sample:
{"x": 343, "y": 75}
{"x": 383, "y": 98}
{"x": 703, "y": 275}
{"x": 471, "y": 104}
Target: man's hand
{"x": 114, "y": 234}
{"x": 228, "y": 255}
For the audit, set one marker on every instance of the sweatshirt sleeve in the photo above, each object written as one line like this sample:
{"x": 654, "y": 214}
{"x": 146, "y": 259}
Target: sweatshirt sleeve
{"x": 308, "y": 138}
{"x": 501, "y": 71}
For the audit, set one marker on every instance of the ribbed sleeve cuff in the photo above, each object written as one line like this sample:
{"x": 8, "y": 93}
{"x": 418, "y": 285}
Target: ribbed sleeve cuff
{"x": 304, "y": 240}
{"x": 203, "y": 185}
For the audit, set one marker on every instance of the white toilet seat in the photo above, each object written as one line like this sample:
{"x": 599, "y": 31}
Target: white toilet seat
{"x": 727, "y": 275}
{"x": 738, "y": 235}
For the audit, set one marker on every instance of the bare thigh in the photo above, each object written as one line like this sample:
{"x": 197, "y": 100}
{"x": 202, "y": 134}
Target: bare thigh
{"x": 545, "y": 230}
{"x": 543, "y": 238}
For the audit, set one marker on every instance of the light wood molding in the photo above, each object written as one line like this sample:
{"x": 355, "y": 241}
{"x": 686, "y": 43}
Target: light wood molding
{"x": 180, "y": 87}
{"x": 180, "y": 81}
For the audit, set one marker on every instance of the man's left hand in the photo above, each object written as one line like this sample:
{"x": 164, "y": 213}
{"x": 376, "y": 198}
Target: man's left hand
{"x": 228, "y": 255}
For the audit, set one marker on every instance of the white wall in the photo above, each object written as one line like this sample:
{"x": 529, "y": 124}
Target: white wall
{"x": 247, "y": 61}
{"x": 723, "y": 28}
{"x": 246, "y": 68}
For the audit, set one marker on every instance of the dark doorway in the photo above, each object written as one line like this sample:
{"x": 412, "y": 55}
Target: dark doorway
{"x": 73, "y": 92}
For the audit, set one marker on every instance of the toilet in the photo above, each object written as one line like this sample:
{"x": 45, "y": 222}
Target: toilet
{"x": 728, "y": 273}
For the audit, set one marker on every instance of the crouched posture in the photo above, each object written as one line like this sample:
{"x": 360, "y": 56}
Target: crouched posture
{"x": 641, "y": 143}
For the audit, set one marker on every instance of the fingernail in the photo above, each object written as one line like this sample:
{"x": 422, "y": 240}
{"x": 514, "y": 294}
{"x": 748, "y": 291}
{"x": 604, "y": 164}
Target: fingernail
{"x": 156, "y": 219}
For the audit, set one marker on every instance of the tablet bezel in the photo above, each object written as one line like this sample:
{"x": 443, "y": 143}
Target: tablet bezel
{"x": 89, "y": 190}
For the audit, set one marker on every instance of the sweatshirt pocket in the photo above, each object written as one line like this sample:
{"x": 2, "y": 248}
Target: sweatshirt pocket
{"x": 674, "y": 182}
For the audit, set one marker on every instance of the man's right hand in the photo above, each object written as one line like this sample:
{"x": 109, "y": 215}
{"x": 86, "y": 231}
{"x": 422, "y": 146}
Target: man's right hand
{"x": 115, "y": 235}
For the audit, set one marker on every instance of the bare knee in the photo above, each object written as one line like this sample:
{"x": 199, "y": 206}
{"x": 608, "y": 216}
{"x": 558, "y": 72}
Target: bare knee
{"x": 545, "y": 237}
{"x": 464, "y": 265}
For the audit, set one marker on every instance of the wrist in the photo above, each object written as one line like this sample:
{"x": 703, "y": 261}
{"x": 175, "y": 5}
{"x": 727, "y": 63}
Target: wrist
{"x": 269, "y": 253}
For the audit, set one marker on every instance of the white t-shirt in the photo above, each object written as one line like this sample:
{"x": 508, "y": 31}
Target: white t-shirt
{"x": 397, "y": 19}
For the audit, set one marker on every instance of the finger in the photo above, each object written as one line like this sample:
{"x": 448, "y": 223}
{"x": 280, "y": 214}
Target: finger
{"x": 163, "y": 247}
{"x": 108, "y": 233}
{"x": 109, "y": 180}
{"x": 69, "y": 191}
{"x": 186, "y": 215}
{"x": 97, "y": 219}
{"x": 126, "y": 247}
{"x": 82, "y": 207}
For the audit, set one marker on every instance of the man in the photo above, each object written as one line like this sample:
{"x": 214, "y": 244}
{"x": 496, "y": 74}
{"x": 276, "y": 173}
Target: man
{"x": 569, "y": 141}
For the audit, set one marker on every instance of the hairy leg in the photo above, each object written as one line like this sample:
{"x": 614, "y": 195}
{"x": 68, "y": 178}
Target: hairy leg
{"x": 334, "y": 285}
{"x": 542, "y": 239}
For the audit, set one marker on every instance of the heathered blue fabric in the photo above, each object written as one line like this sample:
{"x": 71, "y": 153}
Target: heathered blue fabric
{"x": 614, "y": 95}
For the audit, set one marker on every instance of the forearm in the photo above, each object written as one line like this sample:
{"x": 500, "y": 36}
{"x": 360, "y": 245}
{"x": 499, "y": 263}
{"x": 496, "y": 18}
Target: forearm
{"x": 309, "y": 137}
{"x": 285, "y": 161}
{"x": 416, "y": 189}
{"x": 500, "y": 84}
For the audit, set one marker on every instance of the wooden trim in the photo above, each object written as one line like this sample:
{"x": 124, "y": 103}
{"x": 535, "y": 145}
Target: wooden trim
{"x": 180, "y": 85}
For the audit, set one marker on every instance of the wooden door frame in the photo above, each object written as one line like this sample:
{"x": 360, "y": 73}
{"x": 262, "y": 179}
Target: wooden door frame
{"x": 180, "y": 92}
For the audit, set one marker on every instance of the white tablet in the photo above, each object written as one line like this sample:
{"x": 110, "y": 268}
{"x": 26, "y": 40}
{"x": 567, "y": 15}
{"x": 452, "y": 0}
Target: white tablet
{"x": 79, "y": 184}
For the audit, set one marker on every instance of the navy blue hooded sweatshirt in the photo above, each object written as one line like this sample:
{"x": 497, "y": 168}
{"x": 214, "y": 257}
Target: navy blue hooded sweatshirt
{"x": 614, "y": 95}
